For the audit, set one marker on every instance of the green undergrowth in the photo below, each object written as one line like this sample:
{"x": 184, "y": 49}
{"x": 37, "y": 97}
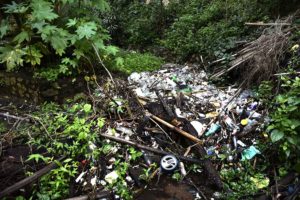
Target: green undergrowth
{"x": 187, "y": 28}
{"x": 283, "y": 103}
{"x": 136, "y": 62}
{"x": 72, "y": 131}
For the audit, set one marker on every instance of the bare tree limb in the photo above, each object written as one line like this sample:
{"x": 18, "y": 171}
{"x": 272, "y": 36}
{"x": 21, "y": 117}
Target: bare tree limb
{"x": 29, "y": 179}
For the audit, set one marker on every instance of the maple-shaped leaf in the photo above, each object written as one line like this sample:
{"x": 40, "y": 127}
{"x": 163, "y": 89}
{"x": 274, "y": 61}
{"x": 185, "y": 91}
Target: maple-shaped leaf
{"x": 24, "y": 35}
{"x": 111, "y": 50}
{"x": 42, "y": 10}
{"x": 71, "y": 22}
{"x": 58, "y": 43}
{"x": 86, "y": 30}
{"x": 33, "y": 55}
{"x": 4, "y": 28}
{"x": 101, "y": 5}
{"x": 78, "y": 53}
{"x": 15, "y": 7}
{"x": 12, "y": 56}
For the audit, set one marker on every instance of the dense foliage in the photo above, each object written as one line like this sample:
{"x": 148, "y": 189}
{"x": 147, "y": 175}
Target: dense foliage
{"x": 58, "y": 37}
{"x": 186, "y": 28}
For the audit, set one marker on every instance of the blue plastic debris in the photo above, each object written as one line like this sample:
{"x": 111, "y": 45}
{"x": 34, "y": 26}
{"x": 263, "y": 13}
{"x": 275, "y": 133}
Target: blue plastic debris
{"x": 249, "y": 153}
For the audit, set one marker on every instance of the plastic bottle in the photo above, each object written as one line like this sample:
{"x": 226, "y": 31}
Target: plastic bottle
{"x": 215, "y": 127}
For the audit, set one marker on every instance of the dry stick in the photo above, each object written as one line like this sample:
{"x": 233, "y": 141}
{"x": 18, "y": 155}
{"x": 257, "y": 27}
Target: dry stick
{"x": 178, "y": 130}
{"x": 29, "y": 179}
{"x": 13, "y": 116}
{"x": 267, "y": 24}
{"x": 157, "y": 151}
{"x": 288, "y": 73}
{"x": 101, "y": 62}
{"x": 99, "y": 195}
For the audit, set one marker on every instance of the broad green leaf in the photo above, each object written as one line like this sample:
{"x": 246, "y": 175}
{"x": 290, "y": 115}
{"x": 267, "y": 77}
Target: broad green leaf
{"x": 78, "y": 53}
{"x": 102, "y": 5}
{"x": 292, "y": 140}
{"x": 21, "y": 37}
{"x": 72, "y": 22}
{"x": 58, "y": 43}
{"x": 37, "y": 157}
{"x": 63, "y": 69}
{"x": 15, "y": 7}
{"x": 86, "y": 30}
{"x": 119, "y": 61}
{"x": 111, "y": 50}
{"x": 12, "y": 56}
{"x": 4, "y": 28}
{"x": 42, "y": 10}
{"x": 68, "y": 61}
{"x": 87, "y": 108}
{"x": 82, "y": 136}
{"x": 276, "y": 135}
{"x": 100, "y": 122}
{"x": 33, "y": 56}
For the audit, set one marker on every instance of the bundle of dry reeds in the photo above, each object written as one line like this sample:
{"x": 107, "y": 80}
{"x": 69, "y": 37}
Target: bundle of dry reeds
{"x": 260, "y": 59}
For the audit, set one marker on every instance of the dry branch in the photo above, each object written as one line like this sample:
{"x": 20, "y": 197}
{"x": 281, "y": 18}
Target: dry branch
{"x": 157, "y": 151}
{"x": 29, "y": 179}
{"x": 178, "y": 130}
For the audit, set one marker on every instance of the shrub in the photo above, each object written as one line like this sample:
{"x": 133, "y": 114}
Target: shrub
{"x": 60, "y": 33}
{"x": 136, "y": 62}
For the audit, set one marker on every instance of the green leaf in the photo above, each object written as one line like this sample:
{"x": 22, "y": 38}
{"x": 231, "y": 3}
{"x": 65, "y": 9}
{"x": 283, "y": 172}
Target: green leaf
{"x": 33, "y": 56}
{"x": 100, "y": 122}
{"x": 111, "y": 50}
{"x": 82, "y": 136}
{"x": 292, "y": 140}
{"x": 102, "y": 5}
{"x": 21, "y": 37}
{"x": 63, "y": 69}
{"x": 42, "y": 10}
{"x": 68, "y": 160}
{"x": 72, "y": 22}
{"x": 86, "y": 30}
{"x": 58, "y": 43}
{"x": 15, "y": 7}
{"x": 87, "y": 108}
{"x": 276, "y": 135}
{"x": 12, "y": 56}
{"x": 37, "y": 157}
{"x": 4, "y": 28}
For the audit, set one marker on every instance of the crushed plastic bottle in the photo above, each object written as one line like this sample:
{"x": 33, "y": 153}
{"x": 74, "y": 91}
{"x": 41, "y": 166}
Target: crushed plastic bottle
{"x": 215, "y": 127}
{"x": 249, "y": 153}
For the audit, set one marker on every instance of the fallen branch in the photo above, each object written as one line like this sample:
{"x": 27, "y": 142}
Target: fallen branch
{"x": 29, "y": 179}
{"x": 7, "y": 115}
{"x": 287, "y": 73}
{"x": 178, "y": 130}
{"x": 99, "y": 195}
{"x": 157, "y": 151}
{"x": 267, "y": 24}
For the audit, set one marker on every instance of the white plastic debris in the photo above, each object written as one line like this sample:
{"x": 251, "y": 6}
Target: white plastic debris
{"x": 92, "y": 146}
{"x": 125, "y": 130}
{"x": 182, "y": 169}
{"x": 129, "y": 179}
{"x": 111, "y": 177}
{"x": 102, "y": 182}
{"x": 79, "y": 178}
{"x": 94, "y": 181}
{"x": 134, "y": 77}
{"x": 198, "y": 127}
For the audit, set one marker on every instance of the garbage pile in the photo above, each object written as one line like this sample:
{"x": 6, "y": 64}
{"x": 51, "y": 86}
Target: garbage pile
{"x": 179, "y": 102}
{"x": 219, "y": 119}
